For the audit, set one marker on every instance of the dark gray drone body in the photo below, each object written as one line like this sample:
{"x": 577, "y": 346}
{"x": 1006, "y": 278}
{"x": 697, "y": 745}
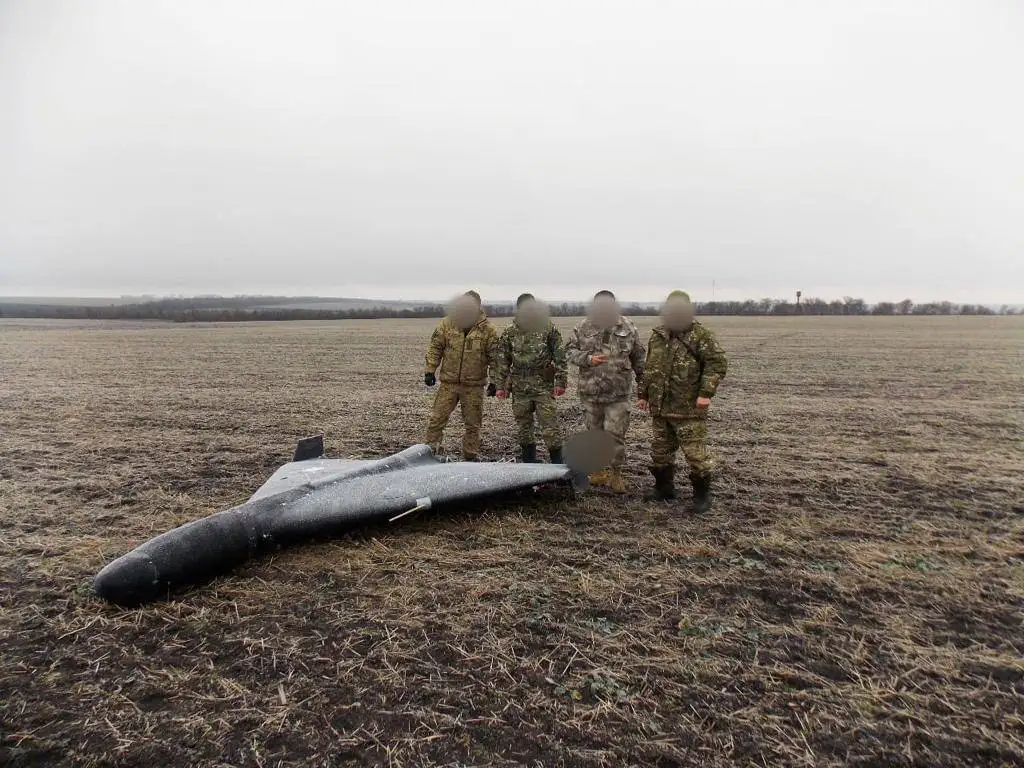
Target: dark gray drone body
{"x": 313, "y": 497}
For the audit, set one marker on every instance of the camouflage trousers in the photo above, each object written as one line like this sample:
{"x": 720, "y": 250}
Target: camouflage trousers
{"x": 612, "y": 418}
{"x": 448, "y": 397}
{"x": 689, "y": 434}
{"x": 526, "y": 406}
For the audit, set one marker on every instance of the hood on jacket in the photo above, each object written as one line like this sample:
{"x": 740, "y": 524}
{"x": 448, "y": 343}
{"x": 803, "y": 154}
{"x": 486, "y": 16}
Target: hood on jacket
{"x": 665, "y": 332}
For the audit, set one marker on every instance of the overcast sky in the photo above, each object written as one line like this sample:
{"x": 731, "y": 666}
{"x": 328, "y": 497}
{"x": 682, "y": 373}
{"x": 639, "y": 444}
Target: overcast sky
{"x": 405, "y": 149}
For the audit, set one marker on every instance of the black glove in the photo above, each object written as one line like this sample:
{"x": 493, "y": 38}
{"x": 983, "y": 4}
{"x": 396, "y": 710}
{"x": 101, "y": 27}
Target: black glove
{"x": 429, "y": 379}
{"x": 492, "y": 389}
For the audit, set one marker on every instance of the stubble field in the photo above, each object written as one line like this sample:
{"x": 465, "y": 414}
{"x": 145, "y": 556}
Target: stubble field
{"x": 855, "y": 598}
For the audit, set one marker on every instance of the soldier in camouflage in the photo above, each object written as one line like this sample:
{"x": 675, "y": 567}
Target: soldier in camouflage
{"x": 532, "y": 369}
{"x": 685, "y": 365}
{"x": 465, "y": 346}
{"x": 607, "y": 349}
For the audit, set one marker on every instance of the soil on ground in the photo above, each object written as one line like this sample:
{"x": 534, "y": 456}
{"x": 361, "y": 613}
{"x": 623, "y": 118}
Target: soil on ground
{"x": 856, "y": 597}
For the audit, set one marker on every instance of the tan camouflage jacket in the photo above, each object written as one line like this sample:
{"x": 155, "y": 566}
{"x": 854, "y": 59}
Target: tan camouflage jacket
{"x": 464, "y": 356}
{"x": 681, "y": 368}
{"x": 530, "y": 361}
{"x": 612, "y": 381}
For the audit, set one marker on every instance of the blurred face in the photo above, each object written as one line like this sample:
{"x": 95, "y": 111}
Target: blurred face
{"x": 533, "y": 315}
{"x": 463, "y": 312}
{"x": 604, "y": 312}
{"x": 677, "y": 314}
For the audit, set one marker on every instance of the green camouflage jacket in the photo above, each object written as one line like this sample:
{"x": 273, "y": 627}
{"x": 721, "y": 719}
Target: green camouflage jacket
{"x": 530, "y": 362}
{"x": 681, "y": 368}
{"x": 609, "y": 382}
{"x": 464, "y": 356}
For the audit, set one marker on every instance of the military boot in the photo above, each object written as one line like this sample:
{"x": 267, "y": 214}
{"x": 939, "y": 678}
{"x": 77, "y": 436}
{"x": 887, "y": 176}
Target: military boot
{"x": 664, "y": 484}
{"x": 616, "y": 482}
{"x": 529, "y": 454}
{"x": 556, "y": 455}
{"x": 701, "y": 493}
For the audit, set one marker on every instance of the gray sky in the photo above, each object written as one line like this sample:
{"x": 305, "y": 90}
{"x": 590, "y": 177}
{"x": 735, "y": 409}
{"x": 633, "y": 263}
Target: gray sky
{"x": 403, "y": 149}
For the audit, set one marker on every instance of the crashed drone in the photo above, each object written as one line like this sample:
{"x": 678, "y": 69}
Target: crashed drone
{"x": 313, "y": 496}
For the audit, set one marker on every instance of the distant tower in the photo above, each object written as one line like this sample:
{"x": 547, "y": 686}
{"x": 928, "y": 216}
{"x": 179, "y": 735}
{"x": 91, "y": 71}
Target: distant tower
{"x": 799, "y": 309}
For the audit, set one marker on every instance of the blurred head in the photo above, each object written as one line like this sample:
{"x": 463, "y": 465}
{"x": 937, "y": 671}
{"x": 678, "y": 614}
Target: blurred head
{"x": 532, "y": 315}
{"x": 604, "y": 310}
{"x": 523, "y": 298}
{"x": 463, "y": 312}
{"x": 475, "y": 297}
{"x": 677, "y": 312}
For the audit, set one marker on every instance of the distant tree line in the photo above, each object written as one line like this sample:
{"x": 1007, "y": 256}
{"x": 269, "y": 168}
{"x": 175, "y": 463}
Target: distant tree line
{"x": 247, "y": 308}
{"x": 846, "y": 306}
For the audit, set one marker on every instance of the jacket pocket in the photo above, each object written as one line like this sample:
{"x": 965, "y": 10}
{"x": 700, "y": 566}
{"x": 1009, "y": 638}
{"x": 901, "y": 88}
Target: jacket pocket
{"x": 623, "y": 341}
{"x": 685, "y": 372}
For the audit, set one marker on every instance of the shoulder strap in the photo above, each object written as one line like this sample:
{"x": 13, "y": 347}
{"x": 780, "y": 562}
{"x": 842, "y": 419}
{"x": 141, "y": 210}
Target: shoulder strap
{"x": 694, "y": 350}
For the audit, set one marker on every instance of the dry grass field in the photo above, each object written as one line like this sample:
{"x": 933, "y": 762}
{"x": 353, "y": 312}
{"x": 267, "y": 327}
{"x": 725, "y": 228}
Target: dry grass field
{"x": 855, "y": 598}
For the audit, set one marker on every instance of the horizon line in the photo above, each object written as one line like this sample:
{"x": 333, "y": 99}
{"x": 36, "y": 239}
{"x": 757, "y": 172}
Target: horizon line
{"x": 421, "y": 302}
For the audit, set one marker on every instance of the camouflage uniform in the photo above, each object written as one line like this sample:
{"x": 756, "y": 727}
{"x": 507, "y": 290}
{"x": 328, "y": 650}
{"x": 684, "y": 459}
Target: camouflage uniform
{"x": 680, "y": 368}
{"x": 530, "y": 365}
{"x": 605, "y": 388}
{"x": 464, "y": 357}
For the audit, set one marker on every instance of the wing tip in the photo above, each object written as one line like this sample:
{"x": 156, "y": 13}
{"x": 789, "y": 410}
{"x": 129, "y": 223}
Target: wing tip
{"x": 309, "y": 448}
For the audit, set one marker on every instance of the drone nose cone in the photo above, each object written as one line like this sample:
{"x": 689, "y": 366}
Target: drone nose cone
{"x": 129, "y": 580}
